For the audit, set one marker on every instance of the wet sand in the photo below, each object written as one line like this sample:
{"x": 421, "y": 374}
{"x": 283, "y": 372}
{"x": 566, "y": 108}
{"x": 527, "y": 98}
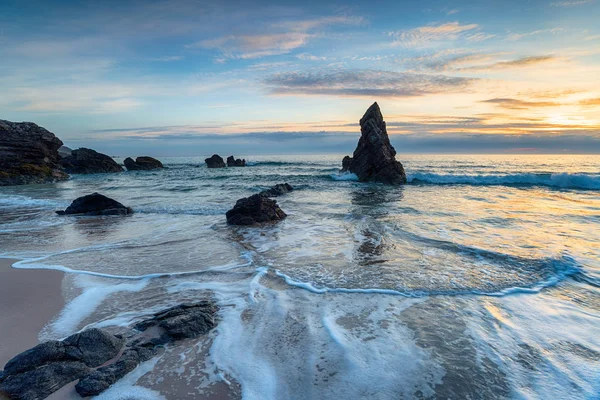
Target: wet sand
{"x": 29, "y": 299}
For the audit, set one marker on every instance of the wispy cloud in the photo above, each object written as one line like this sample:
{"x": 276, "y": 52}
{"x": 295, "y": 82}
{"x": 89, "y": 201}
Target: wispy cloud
{"x": 519, "y": 36}
{"x": 432, "y": 33}
{"x": 569, "y": 3}
{"x": 516, "y": 104}
{"x": 590, "y": 102}
{"x": 363, "y": 83}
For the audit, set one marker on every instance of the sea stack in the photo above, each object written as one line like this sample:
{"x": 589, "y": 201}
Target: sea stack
{"x": 233, "y": 162}
{"x": 215, "y": 161}
{"x": 374, "y": 159}
{"x": 142, "y": 164}
{"x": 28, "y": 154}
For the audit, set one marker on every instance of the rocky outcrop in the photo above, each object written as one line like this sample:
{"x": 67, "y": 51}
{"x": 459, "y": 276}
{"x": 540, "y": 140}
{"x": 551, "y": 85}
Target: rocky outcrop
{"x": 65, "y": 151}
{"x": 254, "y": 209}
{"x": 28, "y": 154}
{"x": 42, "y": 370}
{"x": 96, "y": 204}
{"x": 232, "y": 162}
{"x": 88, "y": 161}
{"x": 215, "y": 162}
{"x": 277, "y": 190}
{"x": 142, "y": 164}
{"x": 374, "y": 158}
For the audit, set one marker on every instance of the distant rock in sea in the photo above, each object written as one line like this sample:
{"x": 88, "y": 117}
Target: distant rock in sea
{"x": 232, "y": 162}
{"x": 96, "y": 204}
{"x": 142, "y": 164}
{"x": 374, "y": 158}
{"x": 215, "y": 162}
{"x": 88, "y": 161}
{"x": 28, "y": 154}
{"x": 277, "y": 190}
{"x": 253, "y": 210}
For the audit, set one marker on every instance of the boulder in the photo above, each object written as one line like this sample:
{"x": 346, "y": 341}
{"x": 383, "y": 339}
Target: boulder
{"x": 28, "y": 154}
{"x": 215, "y": 162}
{"x": 96, "y": 204}
{"x": 42, "y": 370}
{"x": 254, "y": 209}
{"x": 232, "y": 162}
{"x": 88, "y": 161}
{"x": 374, "y": 158}
{"x": 277, "y": 190}
{"x": 142, "y": 164}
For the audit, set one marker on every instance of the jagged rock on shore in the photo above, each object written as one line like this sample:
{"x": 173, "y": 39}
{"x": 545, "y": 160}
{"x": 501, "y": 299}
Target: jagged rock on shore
{"x": 88, "y": 161}
{"x": 277, "y": 190}
{"x": 215, "y": 161}
{"x": 96, "y": 204}
{"x": 143, "y": 163}
{"x": 232, "y": 162}
{"x": 374, "y": 158}
{"x": 254, "y": 209}
{"x": 28, "y": 154}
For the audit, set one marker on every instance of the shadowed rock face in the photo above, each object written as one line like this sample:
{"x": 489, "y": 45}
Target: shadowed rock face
{"x": 254, "y": 209}
{"x": 88, "y": 161}
{"x": 28, "y": 154}
{"x": 277, "y": 190}
{"x": 142, "y": 164}
{"x": 215, "y": 162}
{"x": 232, "y": 162}
{"x": 375, "y": 158}
{"x": 96, "y": 204}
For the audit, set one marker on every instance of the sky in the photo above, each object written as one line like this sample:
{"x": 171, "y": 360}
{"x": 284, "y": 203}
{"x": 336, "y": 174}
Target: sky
{"x": 189, "y": 77}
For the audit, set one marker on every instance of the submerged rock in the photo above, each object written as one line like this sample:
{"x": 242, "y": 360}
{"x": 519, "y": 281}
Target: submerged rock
{"x": 254, "y": 209}
{"x": 42, "y": 370}
{"x": 142, "y": 164}
{"x": 374, "y": 158}
{"x": 88, "y": 161}
{"x": 277, "y": 190}
{"x": 96, "y": 204}
{"x": 28, "y": 154}
{"x": 232, "y": 162}
{"x": 215, "y": 162}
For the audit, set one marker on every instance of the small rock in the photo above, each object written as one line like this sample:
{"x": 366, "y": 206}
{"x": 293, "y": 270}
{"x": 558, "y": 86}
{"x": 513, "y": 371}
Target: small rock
{"x": 88, "y": 161}
{"x": 183, "y": 321}
{"x": 254, "y": 209}
{"x": 96, "y": 204}
{"x": 232, "y": 162}
{"x": 277, "y": 190}
{"x": 215, "y": 162}
{"x": 142, "y": 164}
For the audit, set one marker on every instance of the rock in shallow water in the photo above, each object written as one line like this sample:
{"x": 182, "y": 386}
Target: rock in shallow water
{"x": 232, "y": 162}
{"x": 277, "y": 190}
{"x": 96, "y": 204}
{"x": 28, "y": 154}
{"x": 183, "y": 321}
{"x": 215, "y": 162}
{"x": 254, "y": 209}
{"x": 88, "y": 161}
{"x": 374, "y": 158}
{"x": 142, "y": 164}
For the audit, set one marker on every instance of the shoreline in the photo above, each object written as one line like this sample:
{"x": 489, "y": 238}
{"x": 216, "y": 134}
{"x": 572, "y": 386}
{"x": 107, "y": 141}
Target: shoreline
{"x": 29, "y": 299}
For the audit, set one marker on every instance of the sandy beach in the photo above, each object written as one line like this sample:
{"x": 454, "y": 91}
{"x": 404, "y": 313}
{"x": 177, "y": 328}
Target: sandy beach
{"x": 29, "y": 299}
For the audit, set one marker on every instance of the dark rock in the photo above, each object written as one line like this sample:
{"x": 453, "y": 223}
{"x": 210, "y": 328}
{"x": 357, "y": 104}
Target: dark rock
{"x": 375, "y": 158}
{"x": 88, "y": 161}
{"x": 64, "y": 151}
{"x": 183, "y": 321}
{"x": 277, "y": 190}
{"x": 215, "y": 162}
{"x": 41, "y": 382}
{"x": 142, "y": 164}
{"x": 45, "y": 368}
{"x": 102, "y": 378}
{"x": 96, "y": 204}
{"x": 254, "y": 209}
{"x": 28, "y": 154}
{"x": 232, "y": 162}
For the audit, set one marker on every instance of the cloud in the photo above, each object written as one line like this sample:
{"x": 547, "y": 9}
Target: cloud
{"x": 570, "y": 3}
{"x": 515, "y": 104}
{"x": 363, "y": 83}
{"x": 310, "y": 57}
{"x": 424, "y": 35}
{"x": 519, "y": 36}
{"x": 167, "y": 58}
{"x": 517, "y": 63}
{"x": 590, "y": 102}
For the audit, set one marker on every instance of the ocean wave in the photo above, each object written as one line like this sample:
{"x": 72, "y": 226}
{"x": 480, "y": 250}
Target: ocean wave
{"x": 344, "y": 176}
{"x": 563, "y": 180}
{"x": 25, "y": 201}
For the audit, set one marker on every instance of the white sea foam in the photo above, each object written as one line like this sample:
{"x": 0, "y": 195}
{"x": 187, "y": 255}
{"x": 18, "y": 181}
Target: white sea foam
{"x": 564, "y": 180}
{"x": 344, "y": 176}
{"x": 126, "y": 388}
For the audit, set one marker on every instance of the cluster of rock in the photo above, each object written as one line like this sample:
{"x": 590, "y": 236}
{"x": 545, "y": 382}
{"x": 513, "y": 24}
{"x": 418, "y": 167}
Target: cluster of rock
{"x": 98, "y": 358}
{"x": 216, "y": 161}
{"x": 28, "y": 154}
{"x": 374, "y": 158}
{"x": 88, "y": 161}
{"x": 96, "y": 204}
{"x": 258, "y": 208}
{"x": 143, "y": 163}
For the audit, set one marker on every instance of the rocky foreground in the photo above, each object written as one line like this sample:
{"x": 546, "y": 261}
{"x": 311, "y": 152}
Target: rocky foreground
{"x": 374, "y": 159}
{"x": 96, "y": 358}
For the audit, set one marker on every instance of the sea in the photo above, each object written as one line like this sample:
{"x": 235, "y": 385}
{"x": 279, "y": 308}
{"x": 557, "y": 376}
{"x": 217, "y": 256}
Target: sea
{"x": 479, "y": 279}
